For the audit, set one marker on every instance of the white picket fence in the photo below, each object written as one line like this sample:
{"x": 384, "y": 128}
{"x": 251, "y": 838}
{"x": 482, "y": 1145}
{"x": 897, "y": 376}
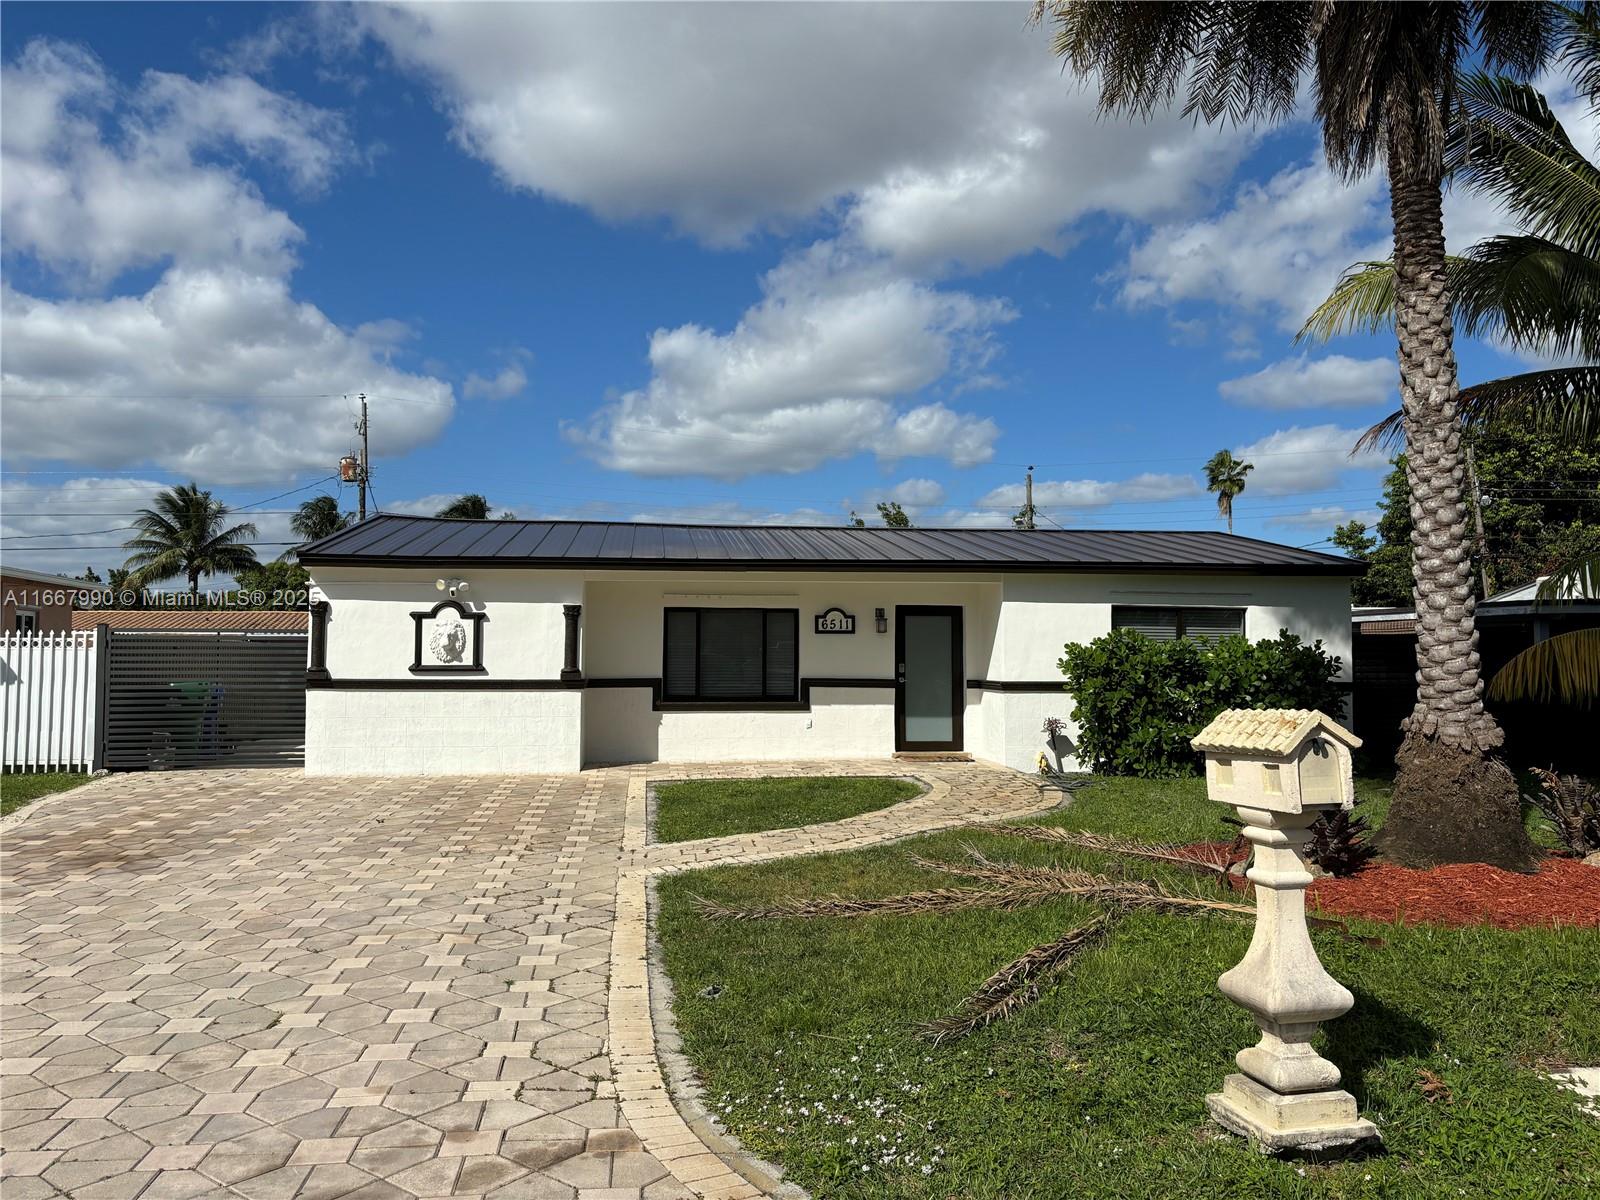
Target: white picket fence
{"x": 50, "y": 687}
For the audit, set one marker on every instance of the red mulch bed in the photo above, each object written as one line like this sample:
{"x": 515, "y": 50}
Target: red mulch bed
{"x": 1563, "y": 892}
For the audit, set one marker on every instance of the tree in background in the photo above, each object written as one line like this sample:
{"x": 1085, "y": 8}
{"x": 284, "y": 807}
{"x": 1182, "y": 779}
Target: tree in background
{"x": 185, "y": 533}
{"x": 276, "y": 584}
{"x": 90, "y": 575}
{"x": 1225, "y": 476}
{"x": 1382, "y": 79}
{"x": 318, "y": 518}
{"x": 893, "y": 515}
{"x": 471, "y": 507}
{"x": 1387, "y": 582}
{"x": 1540, "y": 506}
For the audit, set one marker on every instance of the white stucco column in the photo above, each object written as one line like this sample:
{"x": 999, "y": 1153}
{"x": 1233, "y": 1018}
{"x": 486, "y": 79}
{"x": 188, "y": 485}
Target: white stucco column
{"x": 1287, "y": 1097}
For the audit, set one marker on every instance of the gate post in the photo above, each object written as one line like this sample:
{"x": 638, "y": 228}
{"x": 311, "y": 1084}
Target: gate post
{"x": 102, "y": 697}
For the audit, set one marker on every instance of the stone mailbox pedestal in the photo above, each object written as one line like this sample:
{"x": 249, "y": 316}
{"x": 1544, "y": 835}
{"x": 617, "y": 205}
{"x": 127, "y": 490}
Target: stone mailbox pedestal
{"x": 1280, "y": 770}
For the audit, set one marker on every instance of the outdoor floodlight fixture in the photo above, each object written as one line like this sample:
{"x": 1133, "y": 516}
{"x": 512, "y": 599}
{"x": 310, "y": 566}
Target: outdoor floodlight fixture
{"x": 453, "y": 586}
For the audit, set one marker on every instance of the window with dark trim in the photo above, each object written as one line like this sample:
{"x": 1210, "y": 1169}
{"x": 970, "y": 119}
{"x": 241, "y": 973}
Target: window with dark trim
{"x": 731, "y": 654}
{"x": 1169, "y": 624}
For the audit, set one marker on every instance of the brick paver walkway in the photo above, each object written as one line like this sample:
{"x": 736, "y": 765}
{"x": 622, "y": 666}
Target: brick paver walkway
{"x": 258, "y": 984}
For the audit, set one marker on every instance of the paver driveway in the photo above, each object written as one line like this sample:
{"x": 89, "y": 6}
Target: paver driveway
{"x": 260, "y": 984}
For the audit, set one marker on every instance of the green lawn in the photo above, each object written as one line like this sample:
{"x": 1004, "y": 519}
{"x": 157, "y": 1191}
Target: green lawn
{"x": 719, "y": 807}
{"x": 809, "y": 1051}
{"x": 18, "y": 791}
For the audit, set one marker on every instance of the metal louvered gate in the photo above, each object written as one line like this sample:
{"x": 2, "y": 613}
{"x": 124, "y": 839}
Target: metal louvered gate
{"x": 177, "y": 700}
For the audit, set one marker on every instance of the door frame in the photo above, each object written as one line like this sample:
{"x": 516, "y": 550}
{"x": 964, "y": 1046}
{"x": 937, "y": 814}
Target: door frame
{"x": 958, "y": 686}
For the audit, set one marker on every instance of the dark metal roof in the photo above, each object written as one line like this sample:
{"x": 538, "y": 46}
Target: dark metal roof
{"x": 570, "y": 545}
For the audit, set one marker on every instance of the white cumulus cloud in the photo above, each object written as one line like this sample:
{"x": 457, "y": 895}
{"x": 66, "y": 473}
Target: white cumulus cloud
{"x": 215, "y": 370}
{"x": 1336, "y": 381}
{"x": 820, "y": 368}
{"x": 1303, "y": 459}
{"x": 943, "y": 131}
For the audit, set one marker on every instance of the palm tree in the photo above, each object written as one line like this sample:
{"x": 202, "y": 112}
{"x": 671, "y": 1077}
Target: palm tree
{"x": 471, "y": 507}
{"x": 318, "y": 518}
{"x": 1383, "y": 79}
{"x": 1225, "y": 476}
{"x": 185, "y": 532}
{"x": 1537, "y": 290}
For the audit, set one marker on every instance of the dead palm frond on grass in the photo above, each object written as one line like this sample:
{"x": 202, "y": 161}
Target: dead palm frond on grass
{"x": 1008, "y": 887}
{"x": 1019, "y": 983}
{"x": 1216, "y": 860}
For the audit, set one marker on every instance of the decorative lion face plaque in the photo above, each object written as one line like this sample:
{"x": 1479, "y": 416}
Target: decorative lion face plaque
{"x": 449, "y": 637}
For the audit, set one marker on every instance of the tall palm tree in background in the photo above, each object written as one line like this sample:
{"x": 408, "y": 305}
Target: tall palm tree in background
{"x": 471, "y": 507}
{"x": 318, "y": 518}
{"x": 1225, "y": 476}
{"x": 1384, "y": 81}
{"x": 185, "y": 533}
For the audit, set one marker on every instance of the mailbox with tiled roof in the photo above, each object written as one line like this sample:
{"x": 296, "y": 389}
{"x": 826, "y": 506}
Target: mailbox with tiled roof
{"x": 1281, "y": 760}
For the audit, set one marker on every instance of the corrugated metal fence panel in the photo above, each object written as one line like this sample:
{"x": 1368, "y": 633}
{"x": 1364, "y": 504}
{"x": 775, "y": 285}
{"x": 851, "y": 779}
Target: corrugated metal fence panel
{"x": 47, "y": 716}
{"x": 205, "y": 699}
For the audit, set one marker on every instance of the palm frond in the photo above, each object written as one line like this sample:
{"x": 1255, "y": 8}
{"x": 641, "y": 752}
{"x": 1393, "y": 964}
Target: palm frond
{"x": 1580, "y": 49}
{"x": 936, "y": 900}
{"x": 1019, "y": 983}
{"x": 1241, "y": 62}
{"x": 1179, "y": 856}
{"x": 1562, "y": 401}
{"x": 1511, "y": 146}
{"x": 1565, "y": 668}
{"x": 1063, "y": 882}
{"x": 1576, "y": 580}
{"x": 1361, "y": 302}
{"x": 1530, "y": 292}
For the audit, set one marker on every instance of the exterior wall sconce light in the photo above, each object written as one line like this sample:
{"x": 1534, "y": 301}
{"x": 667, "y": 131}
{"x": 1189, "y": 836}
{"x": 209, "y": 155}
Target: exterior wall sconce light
{"x": 881, "y": 621}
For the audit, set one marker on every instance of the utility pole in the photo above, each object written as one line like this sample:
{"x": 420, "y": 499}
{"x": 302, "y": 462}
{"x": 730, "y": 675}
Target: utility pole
{"x": 366, "y": 468}
{"x": 1027, "y": 507}
{"x": 1477, "y": 522}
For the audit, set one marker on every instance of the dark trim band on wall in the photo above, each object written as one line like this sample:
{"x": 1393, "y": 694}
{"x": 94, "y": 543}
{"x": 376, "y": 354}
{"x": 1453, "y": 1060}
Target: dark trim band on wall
{"x": 1017, "y": 685}
{"x": 442, "y": 682}
{"x": 448, "y": 682}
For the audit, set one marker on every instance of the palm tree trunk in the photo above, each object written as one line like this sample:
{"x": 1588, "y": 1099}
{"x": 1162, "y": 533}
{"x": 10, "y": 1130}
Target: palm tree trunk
{"x": 1453, "y": 802}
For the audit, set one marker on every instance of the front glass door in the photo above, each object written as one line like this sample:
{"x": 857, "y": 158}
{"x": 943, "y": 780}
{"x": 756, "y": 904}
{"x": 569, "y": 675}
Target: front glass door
{"x": 929, "y": 692}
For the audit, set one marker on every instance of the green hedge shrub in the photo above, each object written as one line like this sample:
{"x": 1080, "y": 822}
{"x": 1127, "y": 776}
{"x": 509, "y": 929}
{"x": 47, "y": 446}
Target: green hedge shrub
{"x": 1137, "y": 701}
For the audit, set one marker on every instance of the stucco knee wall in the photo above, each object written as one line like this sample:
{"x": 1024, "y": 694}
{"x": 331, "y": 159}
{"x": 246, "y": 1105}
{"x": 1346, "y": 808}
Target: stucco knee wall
{"x": 621, "y": 725}
{"x": 436, "y": 732}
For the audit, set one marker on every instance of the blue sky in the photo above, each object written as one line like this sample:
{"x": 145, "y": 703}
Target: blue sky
{"x": 699, "y": 262}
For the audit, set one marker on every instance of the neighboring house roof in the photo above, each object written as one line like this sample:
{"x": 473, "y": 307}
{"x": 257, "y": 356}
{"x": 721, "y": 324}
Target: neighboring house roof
{"x": 435, "y": 542}
{"x": 179, "y": 620}
{"x": 1275, "y": 731}
{"x": 1507, "y": 604}
{"x": 66, "y": 581}
{"x": 1575, "y": 591}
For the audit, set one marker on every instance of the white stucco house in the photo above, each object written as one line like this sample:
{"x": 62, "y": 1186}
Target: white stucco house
{"x": 461, "y": 647}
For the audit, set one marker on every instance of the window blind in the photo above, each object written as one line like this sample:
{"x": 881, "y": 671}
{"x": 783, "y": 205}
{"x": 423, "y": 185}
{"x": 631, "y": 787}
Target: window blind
{"x": 1207, "y": 625}
{"x": 726, "y": 654}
